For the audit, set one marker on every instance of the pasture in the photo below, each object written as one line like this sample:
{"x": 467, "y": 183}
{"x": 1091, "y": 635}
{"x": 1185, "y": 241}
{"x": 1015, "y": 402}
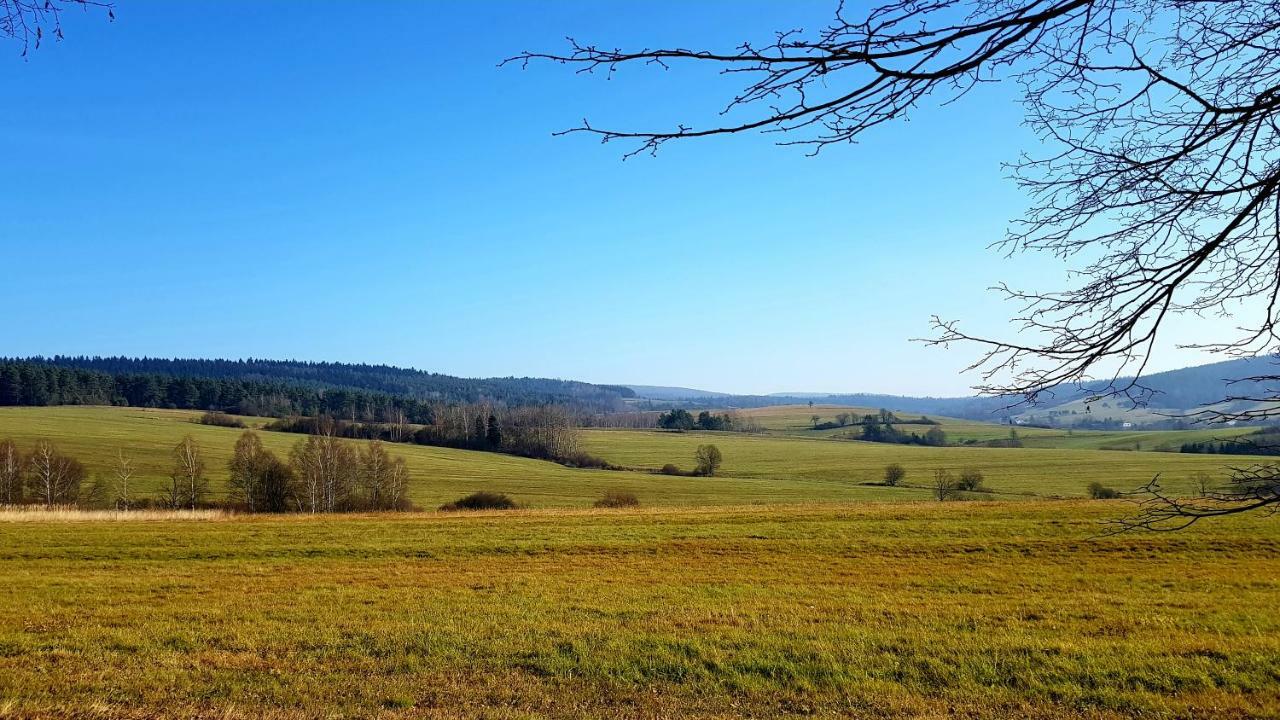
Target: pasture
{"x": 1008, "y": 609}
{"x": 757, "y": 468}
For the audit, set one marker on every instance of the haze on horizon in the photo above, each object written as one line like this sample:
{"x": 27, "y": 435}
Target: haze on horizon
{"x": 392, "y": 196}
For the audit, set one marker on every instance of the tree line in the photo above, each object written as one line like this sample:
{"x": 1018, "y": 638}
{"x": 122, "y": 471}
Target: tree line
{"x": 681, "y": 419}
{"x": 544, "y": 432}
{"x": 375, "y": 379}
{"x": 1262, "y": 442}
{"x": 881, "y": 428}
{"x": 323, "y": 473}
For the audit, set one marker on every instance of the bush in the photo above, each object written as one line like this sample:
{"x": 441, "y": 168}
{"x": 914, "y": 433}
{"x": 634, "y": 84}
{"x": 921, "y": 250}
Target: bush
{"x": 220, "y": 419}
{"x": 581, "y": 459}
{"x": 617, "y": 499}
{"x": 894, "y": 474}
{"x": 481, "y": 501}
{"x": 1098, "y": 491}
{"x": 970, "y": 481}
{"x": 670, "y": 469}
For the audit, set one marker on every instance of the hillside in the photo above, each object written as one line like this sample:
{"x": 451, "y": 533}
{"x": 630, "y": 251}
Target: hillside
{"x": 1159, "y": 396}
{"x": 398, "y": 382}
{"x": 782, "y": 467}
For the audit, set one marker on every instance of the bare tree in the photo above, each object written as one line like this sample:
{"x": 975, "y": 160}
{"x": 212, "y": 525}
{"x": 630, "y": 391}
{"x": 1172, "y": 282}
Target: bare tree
{"x": 944, "y": 485}
{"x": 894, "y": 474}
{"x": 12, "y": 468}
{"x": 383, "y": 479}
{"x": 53, "y": 478}
{"x": 1158, "y": 176}
{"x": 187, "y": 483}
{"x": 1249, "y": 488}
{"x": 31, "y": 21}
{"x": 258, "y": 479}
{"x": 375, "y": 470}
{"x": 327, "y": 470}
{"x": 123, "y": 473}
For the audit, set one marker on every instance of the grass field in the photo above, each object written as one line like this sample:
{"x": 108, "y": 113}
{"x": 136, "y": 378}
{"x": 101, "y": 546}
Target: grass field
{"x": 874, "y": 610}
{"x": 787, "y": 586}
{"x": 437, "y": 475}
{"x": 797, "y": 420}
{"x": 757, "y": 468}
{"x": 1033, "y": 471}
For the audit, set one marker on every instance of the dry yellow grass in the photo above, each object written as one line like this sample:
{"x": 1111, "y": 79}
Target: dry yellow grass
{"x": 41, "y": 513}
{"x": 972, "y": 610}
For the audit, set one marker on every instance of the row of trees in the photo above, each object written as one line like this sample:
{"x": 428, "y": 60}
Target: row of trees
{"x": 681, "y": 419}
{"x": 34, "y": 384}
{"x": 946, "y": 484}
{"x": 44, "y": 475}
{"x": 886, "y": 433}
{"x": 323, "y": 473}
{"x": 547, "y": 432}
{"x": 370, "y": 379}
{"x": 1262, "y": 442}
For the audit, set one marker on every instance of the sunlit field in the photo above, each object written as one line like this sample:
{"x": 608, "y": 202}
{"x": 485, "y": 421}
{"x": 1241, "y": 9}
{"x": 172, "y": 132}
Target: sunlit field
{"x": 757, "y": 468}
{"x": 915, "y": 609}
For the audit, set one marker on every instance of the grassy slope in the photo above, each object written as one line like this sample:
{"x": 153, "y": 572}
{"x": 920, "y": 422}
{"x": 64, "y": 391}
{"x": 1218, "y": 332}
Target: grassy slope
{"x": 1049, "y": 472}
{"x": 769, "y": 468}
{"x": 966, "y": 609}
{"x": 93, "y": 435}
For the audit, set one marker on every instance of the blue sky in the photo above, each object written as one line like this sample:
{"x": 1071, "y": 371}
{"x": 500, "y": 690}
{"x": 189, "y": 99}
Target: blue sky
{"x": 333, "y": 181}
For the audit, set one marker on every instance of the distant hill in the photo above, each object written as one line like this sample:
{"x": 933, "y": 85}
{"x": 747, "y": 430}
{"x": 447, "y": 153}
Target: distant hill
{"x": 662, "y": 392}
{"x": 1161, "y": 394}
{"x": 398, "y": 382}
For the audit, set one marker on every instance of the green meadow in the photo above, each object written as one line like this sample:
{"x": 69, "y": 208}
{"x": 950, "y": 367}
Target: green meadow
{"x": 779, "y": 466}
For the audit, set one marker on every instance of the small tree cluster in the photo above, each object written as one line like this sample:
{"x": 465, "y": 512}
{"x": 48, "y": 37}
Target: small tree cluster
{"x": 44, "y": 476}
{"x": 681, "y": 419}
{"x": 875, "y": 428}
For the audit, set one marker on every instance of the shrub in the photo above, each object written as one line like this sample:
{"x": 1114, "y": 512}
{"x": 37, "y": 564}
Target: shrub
{"x": 670, "y": 469}
{"x": 220, "y": 419}
{"x": 482, "y": 500}
{"x": 709, "y": 459}
{"x": 894, "y": 474}
{"x": 1098, "y": 491}
{"x": 970, "y": 481}
{"x": 617, "y": 499}
{"x": 581, "y": 459}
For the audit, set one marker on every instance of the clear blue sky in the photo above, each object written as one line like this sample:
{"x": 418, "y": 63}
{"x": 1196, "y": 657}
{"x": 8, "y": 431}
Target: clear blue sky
{"x": 360, "y": 182}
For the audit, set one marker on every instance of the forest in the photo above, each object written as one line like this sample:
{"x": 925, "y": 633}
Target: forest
{"x": 365, "y": 378}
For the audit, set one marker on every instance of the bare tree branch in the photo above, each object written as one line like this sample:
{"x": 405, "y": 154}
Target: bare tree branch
{"x": 31, "y": 21}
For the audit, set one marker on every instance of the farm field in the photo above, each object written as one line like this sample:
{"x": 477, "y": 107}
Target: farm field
{"x": 1030, "y": 471}
{"x": 437, "y": 475}
{"x": 797, "y": 420}
{"x": 757, "y": 468}
{"x": 1009, "y": 609}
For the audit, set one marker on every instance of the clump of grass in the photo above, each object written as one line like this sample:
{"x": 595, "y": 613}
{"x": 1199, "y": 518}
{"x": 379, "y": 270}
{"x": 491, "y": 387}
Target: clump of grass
{"x": 617, "y": 499}
{"x": 482, "y": 500}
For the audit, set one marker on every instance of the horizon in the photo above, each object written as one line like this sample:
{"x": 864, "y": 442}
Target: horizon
{"x": 788, "y": 394}
{"x": 366, "y": 197}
